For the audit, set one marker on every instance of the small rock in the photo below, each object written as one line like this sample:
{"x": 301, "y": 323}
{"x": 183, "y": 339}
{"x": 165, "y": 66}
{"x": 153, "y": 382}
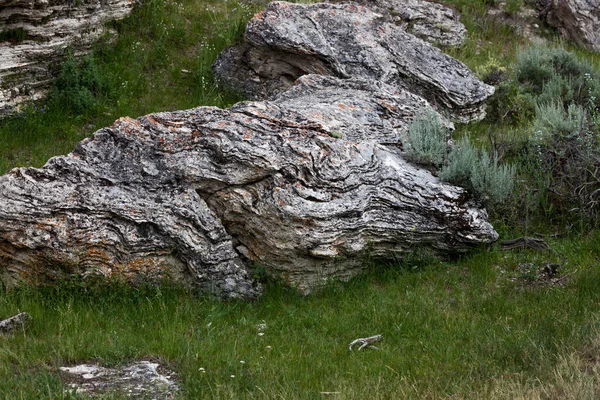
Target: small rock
{"x": 139, "y": 380}
{"x": 17, "y": 322}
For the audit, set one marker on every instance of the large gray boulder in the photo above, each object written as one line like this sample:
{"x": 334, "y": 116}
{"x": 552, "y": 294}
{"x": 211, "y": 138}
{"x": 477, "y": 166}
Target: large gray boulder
{"x": 34, "y": 35}
{"x": 289, "y": 40}
{"x": 578, "y": 20}
{"x": 304, "y": 188}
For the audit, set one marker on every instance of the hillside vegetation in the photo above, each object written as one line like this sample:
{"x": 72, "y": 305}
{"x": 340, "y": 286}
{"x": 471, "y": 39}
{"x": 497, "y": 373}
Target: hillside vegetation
{"x": 496, "y": 324}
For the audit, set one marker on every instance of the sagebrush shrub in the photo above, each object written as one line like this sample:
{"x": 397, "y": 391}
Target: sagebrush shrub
{"x": 566, "y": 147}
{"x": 544, "y": 75}
{"x": 553, "y": 120}
{"x": 478, "y": 172}
{"x": 425, "y": 142}
{"x": 559, "y": 89}
{"x": 464, "y": 166}
{"x": 555, "y": 98}
{"x": 538, "y": 64}
{"x": 491, "y": 181}
{"x": 460, "y": 163}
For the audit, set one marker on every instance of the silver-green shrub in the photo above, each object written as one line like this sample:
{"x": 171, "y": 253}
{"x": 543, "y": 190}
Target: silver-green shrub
{"x": 491, "y": 181}
{"x": 478, "y": 172}
{"x": 537, "y": 64}
{"x": 460, "y": 163}
{"x": 425, "y": 142}
{"x": 552, "y": 119}
{"x": 565, "y": 147}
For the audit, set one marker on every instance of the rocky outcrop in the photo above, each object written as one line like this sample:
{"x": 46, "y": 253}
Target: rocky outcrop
{"x": 289, "y": 40}
{"x": 34, "y": 35}
{"x": 303, "y": 185}
{"x": 433, "y": 22}
{"x": 578, "y": 20}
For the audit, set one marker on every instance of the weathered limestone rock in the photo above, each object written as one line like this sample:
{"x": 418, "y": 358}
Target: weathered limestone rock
{"x": 44, "y": 29}
{"x": 139, "y": 380}
{"x": 433, "y": 22}
{"x": 299, "y": 187}
{"x": 347, "y": 40}
{"x": 17, "y": 322}
{"x": 579, "y": 20}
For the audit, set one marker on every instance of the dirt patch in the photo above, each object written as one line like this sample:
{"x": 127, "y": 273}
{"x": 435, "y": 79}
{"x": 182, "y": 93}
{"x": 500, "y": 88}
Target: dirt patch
{"x": 529, "y": 275}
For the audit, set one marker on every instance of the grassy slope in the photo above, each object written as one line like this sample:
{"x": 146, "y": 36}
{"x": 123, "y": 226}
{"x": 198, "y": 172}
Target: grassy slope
{"x": 462, "y": 329}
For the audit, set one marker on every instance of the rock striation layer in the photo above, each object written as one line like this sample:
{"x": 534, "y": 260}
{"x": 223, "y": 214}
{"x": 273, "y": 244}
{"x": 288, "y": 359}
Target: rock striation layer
{"x": 34, "y": 35}
{"x": 578, "y": 20}
{"x": 433, "y": 22}
{"x": 306, "y": 184}
{"x": 289, "y": 40}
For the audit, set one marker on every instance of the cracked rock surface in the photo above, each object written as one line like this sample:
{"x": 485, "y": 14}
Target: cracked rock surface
{"x": 289, "y": 40}
{"x": 306, "y": 184}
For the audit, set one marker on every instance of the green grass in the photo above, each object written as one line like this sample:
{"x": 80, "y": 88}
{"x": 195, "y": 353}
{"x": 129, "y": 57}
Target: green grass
{"x": 478, "y": 327}
{"x": 464, "y": 329}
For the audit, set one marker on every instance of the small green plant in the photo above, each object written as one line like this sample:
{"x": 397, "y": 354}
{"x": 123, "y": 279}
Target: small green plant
{"x": 336, "y": 134}
{"x": 79, "y": 86}
{"x": 14, "y": 36}
{"x": 492, "y": 72}
{"x": 513, "y": 6}
{"x": 426, "y": 140}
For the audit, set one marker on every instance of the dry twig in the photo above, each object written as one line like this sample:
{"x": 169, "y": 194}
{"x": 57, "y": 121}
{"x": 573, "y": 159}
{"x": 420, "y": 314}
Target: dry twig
{"x": 366, "y": 342}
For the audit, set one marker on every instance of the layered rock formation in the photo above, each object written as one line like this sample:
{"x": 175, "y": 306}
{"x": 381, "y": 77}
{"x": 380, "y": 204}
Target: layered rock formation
{"x": 34, "y": 35}
{"x": 289, "y": 40}
{"x": 578, "y": 20}
{"x": 303, "y": 185}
